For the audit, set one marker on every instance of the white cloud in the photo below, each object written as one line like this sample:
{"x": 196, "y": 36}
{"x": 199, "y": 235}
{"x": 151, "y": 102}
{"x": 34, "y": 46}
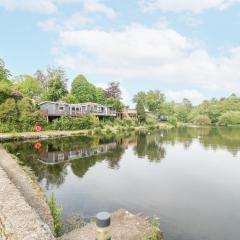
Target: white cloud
{"x": 193, "y": 95}
{"x": 186, "y": 5}
{"x": 42, "y": 6}
{"x": 96, "y": 6}
{"x": 74, "y": 22}
{"x": 51, "y": 6}
{"x": 149, "y": 54}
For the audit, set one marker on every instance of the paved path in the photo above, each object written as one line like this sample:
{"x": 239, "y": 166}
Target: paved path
{"x": 28, "y": 188}
{"x": 20, "y": 220}
{"x": 24, "y": 213}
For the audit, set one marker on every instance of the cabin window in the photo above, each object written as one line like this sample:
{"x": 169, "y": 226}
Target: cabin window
{"x": 61, "y": 108}
{"x": 77, "y": 109}
{"x": 84, "y": 108}
{"x": 73, "y": 108}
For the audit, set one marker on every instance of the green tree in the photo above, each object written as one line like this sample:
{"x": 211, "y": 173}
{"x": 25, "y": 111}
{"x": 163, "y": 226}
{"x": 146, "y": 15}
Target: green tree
{"x": 4, "y": 72}
{"x": 28, "y": 86}
{"x": 82, "y": 90}
{"x": 154, "y": 101}
{"x": 9, "y": 112}
{"x": 100, "y": 96}
{"x": 141, "y": 114}
{"x": 116, "y": 104}
{"x": 56, "y": 85}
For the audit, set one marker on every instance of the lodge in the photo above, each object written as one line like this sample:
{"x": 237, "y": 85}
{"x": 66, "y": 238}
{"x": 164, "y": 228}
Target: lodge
{"x": 53, "y": 110}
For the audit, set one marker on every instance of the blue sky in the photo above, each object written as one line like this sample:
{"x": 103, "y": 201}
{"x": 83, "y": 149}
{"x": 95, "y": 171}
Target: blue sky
{"x": 184, "y": 48}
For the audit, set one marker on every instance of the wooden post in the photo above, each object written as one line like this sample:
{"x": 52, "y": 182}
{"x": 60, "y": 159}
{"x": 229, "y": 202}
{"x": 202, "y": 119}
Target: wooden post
{"x": 103, "y": 223}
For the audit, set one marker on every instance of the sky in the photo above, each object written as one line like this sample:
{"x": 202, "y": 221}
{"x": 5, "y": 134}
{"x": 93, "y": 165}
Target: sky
{"x": 185, "y": 48}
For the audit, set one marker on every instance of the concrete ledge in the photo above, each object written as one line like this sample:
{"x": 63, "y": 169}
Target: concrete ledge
{"x": 125, "y": 226}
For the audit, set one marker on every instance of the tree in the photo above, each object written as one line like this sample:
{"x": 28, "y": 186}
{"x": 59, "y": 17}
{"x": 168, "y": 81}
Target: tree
{"x": 141, "y": 114}
{"x": 82, "y": 90}
{"x": 113, "y": 90}
{"x": 116, "y": 104}
{"x": 28, "y": 86}
{"x": 139, "y": 96}
{"x": 182, "y": 113}
{"x": 56, "y": 85}
{"x": 4, "y": 72}
{"x": 154, "y": 101}
{"x": 100, "y": 96}
{"x": 9, "y": 112}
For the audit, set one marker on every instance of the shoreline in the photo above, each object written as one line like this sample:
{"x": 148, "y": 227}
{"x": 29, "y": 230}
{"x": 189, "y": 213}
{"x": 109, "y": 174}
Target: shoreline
{"x": 69, "y": 133}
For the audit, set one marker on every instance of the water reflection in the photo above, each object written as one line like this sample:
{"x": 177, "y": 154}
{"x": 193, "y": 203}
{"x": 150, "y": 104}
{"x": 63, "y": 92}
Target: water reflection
{"x": 177, "y": 174}
{"x": 50, "y": 160}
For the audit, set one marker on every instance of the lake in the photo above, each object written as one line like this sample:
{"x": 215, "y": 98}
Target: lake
{"x": 188, "y": 177}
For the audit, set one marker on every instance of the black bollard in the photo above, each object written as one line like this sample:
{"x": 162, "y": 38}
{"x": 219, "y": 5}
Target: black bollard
{"x": 103, "y": 223}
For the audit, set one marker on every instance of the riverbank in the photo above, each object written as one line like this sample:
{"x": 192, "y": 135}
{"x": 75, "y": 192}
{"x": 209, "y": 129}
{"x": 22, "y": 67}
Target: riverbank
{"x": 90, "y": 132}
{"x": 24, "y": 213}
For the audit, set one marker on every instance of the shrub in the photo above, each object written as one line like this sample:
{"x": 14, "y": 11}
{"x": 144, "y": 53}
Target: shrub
{"x": 71, "y": 123}
{"x": 172, "y": 120}
{"x": 229, "y": 118}
{"x": 202, "y": 120}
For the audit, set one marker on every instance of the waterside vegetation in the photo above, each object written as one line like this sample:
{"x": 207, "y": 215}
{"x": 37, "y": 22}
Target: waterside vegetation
{"x": 20, "y": 96}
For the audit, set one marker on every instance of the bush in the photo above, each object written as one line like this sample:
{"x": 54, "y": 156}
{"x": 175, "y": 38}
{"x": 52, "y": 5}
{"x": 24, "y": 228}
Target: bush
{"x": 72, "y": 123}
{"x": 229, "y": 118}
{"x": 202, "y": 120}
{"x": 172, "y": 120}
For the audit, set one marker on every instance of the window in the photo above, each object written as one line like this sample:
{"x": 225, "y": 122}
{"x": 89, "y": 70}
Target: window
{"x": 77, "y": 109}
{"x": 73, "y": 108}
{"x": 61, "y": 108}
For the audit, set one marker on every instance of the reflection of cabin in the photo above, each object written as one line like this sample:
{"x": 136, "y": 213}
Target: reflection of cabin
{"x": 127, "y": 114}
{"x": 57, "y": 156}
{"x": 52, "y": 110}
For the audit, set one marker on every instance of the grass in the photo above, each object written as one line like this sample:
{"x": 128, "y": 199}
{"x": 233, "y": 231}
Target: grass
{"x": 155, "y": 230}
{"x": 56, "y": 212}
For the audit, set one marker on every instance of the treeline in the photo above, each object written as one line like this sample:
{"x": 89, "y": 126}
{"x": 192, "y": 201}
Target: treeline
{"x": 223, "y": 111}
{"x": 20, "y": 95}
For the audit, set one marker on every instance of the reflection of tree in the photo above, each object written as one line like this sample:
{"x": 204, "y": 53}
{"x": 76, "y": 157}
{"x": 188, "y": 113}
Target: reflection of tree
{"x": 150, "y": 146}
{"x": 82, "y": 165}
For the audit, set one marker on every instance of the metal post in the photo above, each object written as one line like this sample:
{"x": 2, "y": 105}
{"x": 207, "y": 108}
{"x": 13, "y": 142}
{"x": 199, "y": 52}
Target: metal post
{"x": 103, "y": 223}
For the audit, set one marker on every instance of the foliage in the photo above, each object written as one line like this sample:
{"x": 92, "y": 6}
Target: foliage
{"x": 9, "y": 112}
{"x": 230, "y": 118}
{"x": 82, "y": 90}
{"x": 56, "y": 212}
{"x": 28, "y": 86}
{"x": 20, "y": 115}
{"x": 71, "y": 123}
{"x": 113, "y": 90}
{"x": 172, "y": 120}
{"x": 56, "y": 85}
{"x": 141, "y": 114}
{"x": 202, "y": 120}
{"x": 69, "y": 98}
{"x": 4, "y": 72}
{"x": 116, "y": 104}
{"x": 182, "y": 113}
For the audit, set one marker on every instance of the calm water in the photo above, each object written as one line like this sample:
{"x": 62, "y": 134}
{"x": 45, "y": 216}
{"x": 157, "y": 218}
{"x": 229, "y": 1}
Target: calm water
{"x": 190, "y": 178}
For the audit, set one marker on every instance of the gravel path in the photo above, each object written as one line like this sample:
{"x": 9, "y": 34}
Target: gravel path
{"x": 29, "y": 189}
{"x": 20, "y": 220}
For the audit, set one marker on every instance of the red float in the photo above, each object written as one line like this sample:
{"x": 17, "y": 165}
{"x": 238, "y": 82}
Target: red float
{"x": 38, "y": 128}
{"x": 38, "y": 145}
